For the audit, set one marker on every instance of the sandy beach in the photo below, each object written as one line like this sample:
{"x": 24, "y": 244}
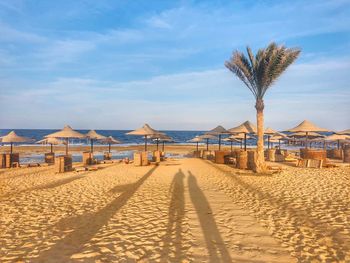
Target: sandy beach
{"x": 184, "y": 210}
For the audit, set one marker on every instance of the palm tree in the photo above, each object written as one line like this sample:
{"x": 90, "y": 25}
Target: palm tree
{"x": 258, "y": 73}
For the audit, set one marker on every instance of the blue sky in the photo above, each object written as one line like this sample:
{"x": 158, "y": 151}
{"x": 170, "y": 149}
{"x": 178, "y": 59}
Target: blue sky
{"x": 117, "y": 64}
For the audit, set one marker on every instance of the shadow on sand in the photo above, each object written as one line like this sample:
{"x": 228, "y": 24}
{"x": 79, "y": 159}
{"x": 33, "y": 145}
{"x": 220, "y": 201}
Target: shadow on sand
{"x": 286, "y": 209}
{"x": 215, "y": 245}
{"x": 175, "y": 222}
{"x": 85, "y": 226}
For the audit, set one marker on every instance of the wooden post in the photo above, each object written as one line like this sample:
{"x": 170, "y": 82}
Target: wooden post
{"x": 67, "y": 146}
{"x": 145, "y": 142}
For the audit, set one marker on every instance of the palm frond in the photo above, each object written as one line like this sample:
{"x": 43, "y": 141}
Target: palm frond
{"x": 260, "y": 72}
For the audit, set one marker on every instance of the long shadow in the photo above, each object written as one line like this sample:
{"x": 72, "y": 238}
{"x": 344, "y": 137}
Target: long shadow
{"x": 47, "y": 186}
{"x": 25, "y": 174}
{"x": 53, "y": 184}
{"x": 176, "y": 216}
{"x": 85, "y": 226}
{"x": 215, "y": 245}
{"x": 286, "y": 209}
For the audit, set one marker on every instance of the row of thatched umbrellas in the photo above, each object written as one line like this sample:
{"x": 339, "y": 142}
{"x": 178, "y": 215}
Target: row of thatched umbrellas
{"x": 305, "y": 129}
{"x": 63, "y": 136}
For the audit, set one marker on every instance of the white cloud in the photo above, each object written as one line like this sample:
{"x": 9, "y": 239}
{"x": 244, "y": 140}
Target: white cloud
{"x": 9, "y": 34}
{"x": 195, "y": 100}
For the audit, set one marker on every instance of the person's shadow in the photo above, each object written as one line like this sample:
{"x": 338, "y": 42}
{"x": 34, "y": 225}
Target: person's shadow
{"x": 175, "y": 222}
{"x": 215, "y": 245}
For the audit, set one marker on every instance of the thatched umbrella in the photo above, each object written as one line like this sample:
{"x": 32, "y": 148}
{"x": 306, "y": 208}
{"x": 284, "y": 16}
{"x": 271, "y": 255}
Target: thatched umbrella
{"x": 337, "y": 138}
{"x": 51, "y": 141}
{"x": 12, "y": 138}
{"x": 66, "y": 133}
{"x": 277, "y": 137}
{"x": 307, "y": 135}
{"x": 232, "y": 140}
{"x": 269, "y": 131}
{"x": 110, "y": 140}
{"x": 93, "y": 135}
{"x": 218, "y": 131}
{"x": 145, "y": 131}
{"x": 306, "y": 127}
{"x": 208, "y": 137}
{"x": 161, "y": 137}
{"x": 196, "y": 139}
{"x": 245, "y": 128}
{"x": 346, "y": 132}
{"x": 239, "y": 137}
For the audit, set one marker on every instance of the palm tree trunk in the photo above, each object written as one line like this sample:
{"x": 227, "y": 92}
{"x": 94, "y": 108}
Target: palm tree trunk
{"x": 260, "y": 159}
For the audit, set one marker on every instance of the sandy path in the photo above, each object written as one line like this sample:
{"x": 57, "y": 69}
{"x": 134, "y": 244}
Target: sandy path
{"x": 174, "y": 212}
{"x": 306, "y": 209}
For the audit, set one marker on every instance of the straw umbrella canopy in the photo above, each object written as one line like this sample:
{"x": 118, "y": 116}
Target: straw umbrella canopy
{"x": 346, "y": 132}
{"x": 239, "y": 137}
{"x": 337, "y": 138}
{"x": 161, "y": 137}
{"x": 245, "y": 128}
{"x": 269, "y": 131}
{"x": 218, "y": 131}
{"x": 277, "y": 137}
{"x": 208, "y": 137}
{"x": 306, "y": 127}
{"x": 12, "y": 138}
{"x": 196, "y": 139}
{"x": 231, "y": 140}
{"x": 51, "y": 141}
{"x": 66, "y": 133}
{"x": 306, "y": 136}
{"x": 145, "y": 131}
{"x": 93, "y": 135}
{"x": 110, "y": 140}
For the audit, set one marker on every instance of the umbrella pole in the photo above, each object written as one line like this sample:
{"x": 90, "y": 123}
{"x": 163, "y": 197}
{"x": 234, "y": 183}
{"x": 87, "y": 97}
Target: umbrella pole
{"x": 338, "y": 144}
{"x": 109, "y": 148}
{"x": 307, "y": 133}
{"x": 145, "y": 143}
{"x": 197, "y": 146}
{"x": 268, "y": 141}
{"x": 279, "y": 144}
{"x": 92, "y": 145}
{"x": 163, "y": 146}
{"x": 245, "y": 141}
{"x": 51, "y": 148}
{"x": 207, "y": 144}
{"x": 157, "y": 143}
{"x": 219, "y": 142}
{"x": 67, "y": 146}
{"x": 11, "y": 147}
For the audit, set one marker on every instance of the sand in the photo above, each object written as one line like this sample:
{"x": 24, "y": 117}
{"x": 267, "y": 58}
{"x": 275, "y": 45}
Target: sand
{"x": 185, "y": 210}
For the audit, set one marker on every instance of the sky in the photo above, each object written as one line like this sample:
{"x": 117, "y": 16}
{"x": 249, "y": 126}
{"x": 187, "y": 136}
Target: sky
{"x": 118, "y": 64}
